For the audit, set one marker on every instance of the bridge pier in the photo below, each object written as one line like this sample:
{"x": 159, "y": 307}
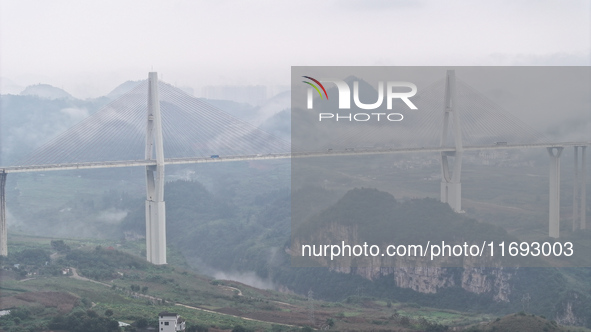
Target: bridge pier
{"x": 155, "y": 207}
{"x": 554, "y": 200}
{"x": 3, "y": 230}
{"x": 451, "y": 186}
{"x": 580, "y": 191}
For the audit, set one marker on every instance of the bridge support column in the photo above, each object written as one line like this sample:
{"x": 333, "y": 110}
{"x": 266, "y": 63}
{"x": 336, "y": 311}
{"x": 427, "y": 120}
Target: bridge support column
{"x": 155, "y": 207}
{"x": 451, "y": 186}
{"x": 3, "y": 230}
{"x": 576, "y": 191}
{"x": 580, "y": 191}
{"x": 583, "y": 182}
{"x": 554, "y": 203}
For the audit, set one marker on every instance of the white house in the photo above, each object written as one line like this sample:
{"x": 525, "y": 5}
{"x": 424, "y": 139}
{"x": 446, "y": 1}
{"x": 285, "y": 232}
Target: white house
{"x": 170, "y": 322}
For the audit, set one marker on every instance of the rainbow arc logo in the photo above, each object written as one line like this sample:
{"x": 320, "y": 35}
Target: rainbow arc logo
{"x": 316, "y": 87}
{"x": 386, "y": 90}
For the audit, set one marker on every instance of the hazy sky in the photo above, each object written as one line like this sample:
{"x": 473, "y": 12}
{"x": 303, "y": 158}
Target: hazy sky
{"x": 89, "y": 47}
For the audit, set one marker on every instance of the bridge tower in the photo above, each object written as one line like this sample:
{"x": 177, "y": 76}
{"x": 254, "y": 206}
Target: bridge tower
{"x": 3, "y": 230}
{"x": 554, "y": 203}
{"x": 580, "y": 190}
{"x": 451, "y": 187}
{"x": 155, "y": 208}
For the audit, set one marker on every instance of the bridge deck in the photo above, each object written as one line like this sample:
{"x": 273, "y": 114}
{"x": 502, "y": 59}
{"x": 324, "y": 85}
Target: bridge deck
{"x": 348, "y": 152}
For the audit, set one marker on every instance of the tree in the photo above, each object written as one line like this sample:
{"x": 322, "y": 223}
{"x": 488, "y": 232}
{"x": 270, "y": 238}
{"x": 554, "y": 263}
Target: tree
{"x": 113, "y": 325}
{"x": 239, "y": 328}
{"x": 142, "y": 322}
{"x": 60, "y": 246}
{"x": 144, "y": 289}
{"x": 108, "y": 312}
{"x": 80, "y": 321}
{"x": 197, "y": 328}
{"x": 404, "y": 321}
{"x": 86, "y": 302}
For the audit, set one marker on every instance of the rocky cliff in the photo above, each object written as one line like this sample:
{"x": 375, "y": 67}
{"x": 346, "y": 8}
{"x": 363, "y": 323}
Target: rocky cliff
{"x": 415, "y": 274}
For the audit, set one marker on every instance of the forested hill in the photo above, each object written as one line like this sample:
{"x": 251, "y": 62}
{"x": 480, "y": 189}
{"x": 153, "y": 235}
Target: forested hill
{"x": 251, "y": 234}
{"x": 379, "y": 219}
{"x": 222, "y": 234}
{"x": 28, "y": 121}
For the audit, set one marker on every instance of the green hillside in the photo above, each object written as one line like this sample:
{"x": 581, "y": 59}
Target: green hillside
{"x": 103, "y": 285}
{"x": 255, "y": 239}
{"x": 241, "y": 226}
{"x": 521, "y": 322}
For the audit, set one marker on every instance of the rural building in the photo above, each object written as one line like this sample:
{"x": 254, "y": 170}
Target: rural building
{"x": 170, "y": 322}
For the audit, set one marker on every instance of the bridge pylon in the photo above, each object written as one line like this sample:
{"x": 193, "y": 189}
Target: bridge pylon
{"x": 3, "y": 230}
{"x": 451, "y": 186}
{"x": 155, "y": 207}
{"x": 554, "y": 200}
{"x": 580, "y": 190}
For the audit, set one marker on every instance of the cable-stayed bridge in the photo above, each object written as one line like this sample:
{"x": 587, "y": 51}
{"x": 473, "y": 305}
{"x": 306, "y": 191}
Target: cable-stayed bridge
{"x": 155, "y": 120}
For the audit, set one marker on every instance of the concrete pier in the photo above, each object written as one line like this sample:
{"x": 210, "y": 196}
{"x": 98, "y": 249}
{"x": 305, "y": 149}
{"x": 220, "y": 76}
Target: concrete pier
{"x": 155, "y": 207}
{"x": 3, "y": 230}
{"x": 580, "y": 190}
{"x": 451, "y": 186}
{"x": 554, "y": 201}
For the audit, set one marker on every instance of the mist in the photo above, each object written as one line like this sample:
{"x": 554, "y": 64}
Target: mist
{"x": 38, "y": 39}
{"x": 247, "y": 278}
